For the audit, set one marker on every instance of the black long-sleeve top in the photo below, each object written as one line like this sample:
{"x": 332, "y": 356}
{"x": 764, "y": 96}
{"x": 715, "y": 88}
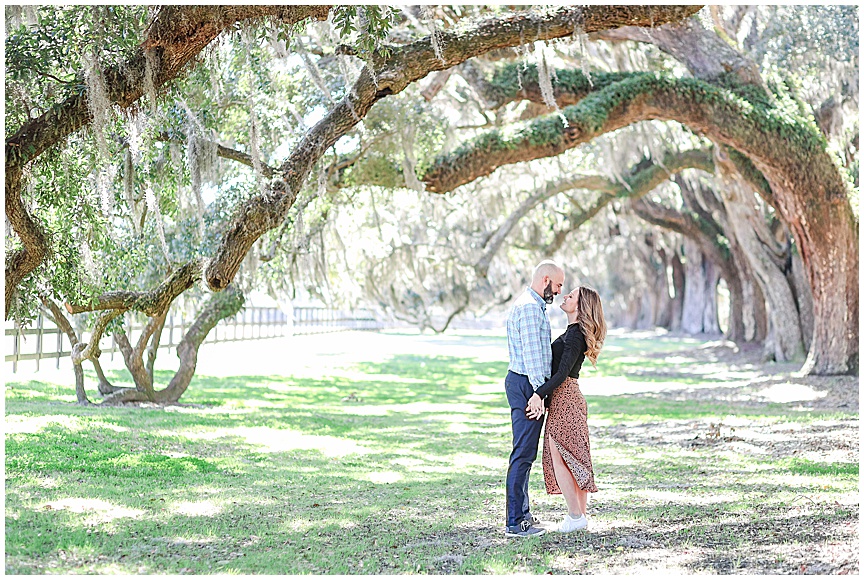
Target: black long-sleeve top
{"x": 568, "y": 354}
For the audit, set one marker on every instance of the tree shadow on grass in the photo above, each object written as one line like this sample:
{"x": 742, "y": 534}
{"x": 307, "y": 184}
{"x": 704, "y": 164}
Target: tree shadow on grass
{"x": 306, "y": 512}
{"x": 422, "y": 488}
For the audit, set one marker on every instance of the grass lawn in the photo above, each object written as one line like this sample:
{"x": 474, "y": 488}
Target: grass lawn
{"x": 706, "y": 460}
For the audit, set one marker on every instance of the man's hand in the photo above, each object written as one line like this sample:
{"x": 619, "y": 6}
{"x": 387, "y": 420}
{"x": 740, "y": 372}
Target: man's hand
{"x": 535, "y": 408}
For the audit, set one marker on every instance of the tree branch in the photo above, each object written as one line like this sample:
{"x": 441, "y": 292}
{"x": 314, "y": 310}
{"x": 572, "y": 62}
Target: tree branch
{"x": 152, "y": 303}
{"x": 83, "y": 351}
{"x": 176, "y": 35}
{"x": 702, "y": 51}
{"x": 776, "y": 151}
{"x": 55, "y": 314}
{"x": 35, "y": 241}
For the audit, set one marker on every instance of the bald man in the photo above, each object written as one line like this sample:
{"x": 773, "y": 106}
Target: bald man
{"x": 529, "y": 340}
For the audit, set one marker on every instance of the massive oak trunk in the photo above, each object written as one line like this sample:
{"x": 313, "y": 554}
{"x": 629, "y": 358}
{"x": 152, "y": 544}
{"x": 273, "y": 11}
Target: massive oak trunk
{"x": 785, "y": 340}
{"x": 654, "y": 290}
{"x": 678, "y": 282}
{"x": 797, "y": 277}
{"x": 700, "y": 292}
{"x": 663, "y": 292}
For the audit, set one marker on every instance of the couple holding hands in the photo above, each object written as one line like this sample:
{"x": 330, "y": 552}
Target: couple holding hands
{"x": 543, "y": 374}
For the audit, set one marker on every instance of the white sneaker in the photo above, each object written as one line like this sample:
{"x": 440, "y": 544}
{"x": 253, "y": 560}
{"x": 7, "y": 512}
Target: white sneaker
{"x": 571, "y": 524}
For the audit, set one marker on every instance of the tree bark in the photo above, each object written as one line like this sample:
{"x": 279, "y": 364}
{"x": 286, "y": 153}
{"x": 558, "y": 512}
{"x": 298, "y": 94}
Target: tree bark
{"x": 709, "y": 237}
{"x": 33, "y": 238}
{"x": 220, "y": 306}
{"x": 436, "y": 84}
{"x": 710, "y": 320}
{"x": 135, "y": 366}
{"x": 797, "y": 278}
{"x": 706, "y": 55}
{"x": 105, "y": 387}
{"x": 663, "y": 319}
{"x": 153, "y": 302}
{"x": 695, "y": 297}
{"x": 678, "y": 282}
{"x": 153, "y": 349}
{"x": 754, "y": 312}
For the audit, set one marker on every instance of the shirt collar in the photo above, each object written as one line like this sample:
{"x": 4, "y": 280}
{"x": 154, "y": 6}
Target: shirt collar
{"x": 538, "y": 298}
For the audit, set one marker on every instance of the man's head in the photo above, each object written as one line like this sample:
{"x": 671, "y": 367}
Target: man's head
{"x": 548, "y": 280}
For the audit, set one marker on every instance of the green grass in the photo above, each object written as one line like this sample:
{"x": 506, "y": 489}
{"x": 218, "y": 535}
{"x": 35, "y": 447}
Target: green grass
{"x": 394, "y": 467}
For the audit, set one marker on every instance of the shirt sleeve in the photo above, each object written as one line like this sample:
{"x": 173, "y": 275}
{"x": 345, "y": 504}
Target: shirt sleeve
{"x": 533, "y": 344}
{"x": 574, "y": 345}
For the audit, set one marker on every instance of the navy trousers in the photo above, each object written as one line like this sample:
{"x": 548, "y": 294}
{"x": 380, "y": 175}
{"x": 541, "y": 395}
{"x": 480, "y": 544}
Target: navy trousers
{"x": 526, "y": 438}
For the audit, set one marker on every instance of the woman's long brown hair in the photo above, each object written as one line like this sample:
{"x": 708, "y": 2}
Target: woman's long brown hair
{"x": 593, "y": 324}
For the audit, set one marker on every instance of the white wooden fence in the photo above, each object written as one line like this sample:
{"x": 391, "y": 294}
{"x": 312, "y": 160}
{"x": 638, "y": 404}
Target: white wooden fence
{"x": 43, "y": 340}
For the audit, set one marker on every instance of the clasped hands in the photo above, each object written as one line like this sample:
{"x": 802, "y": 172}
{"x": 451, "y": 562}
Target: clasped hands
{"x": 535, "y": 408}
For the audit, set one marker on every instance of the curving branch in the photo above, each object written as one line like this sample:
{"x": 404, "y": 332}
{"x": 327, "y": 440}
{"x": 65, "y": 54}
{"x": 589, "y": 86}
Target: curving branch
{"x": 222, "y": 151}
{"x": 85, "y": 350}
{"x": 716, "y": 112}
{"x": 511, "y": 82}
{"x": 152, "y": 303}
{"x": 689, "y": 224}
{"x": 175, "y": 36}
{"x": 390, "y": 76}
{"x": 34, "y": 240}
{"x": 220, "y": 305}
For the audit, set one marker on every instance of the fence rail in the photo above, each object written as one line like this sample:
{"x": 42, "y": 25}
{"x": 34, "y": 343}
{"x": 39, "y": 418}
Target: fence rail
{"x": 251, "y": 323}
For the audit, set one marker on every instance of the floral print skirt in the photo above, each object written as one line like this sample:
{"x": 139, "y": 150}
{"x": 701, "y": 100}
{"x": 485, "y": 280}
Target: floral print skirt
{"x": 567, "y": 430}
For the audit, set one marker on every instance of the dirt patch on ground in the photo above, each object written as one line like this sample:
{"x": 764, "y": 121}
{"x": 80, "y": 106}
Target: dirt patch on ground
{"x": 743, "y": 377}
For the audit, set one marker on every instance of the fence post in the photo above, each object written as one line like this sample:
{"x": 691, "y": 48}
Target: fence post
{"x": 38, "y": 340}
{"x": 15, "y": 347}
{"x": 59, "y": 345}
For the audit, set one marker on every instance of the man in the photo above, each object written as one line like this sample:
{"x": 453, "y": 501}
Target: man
{"x": 529, "y": 340}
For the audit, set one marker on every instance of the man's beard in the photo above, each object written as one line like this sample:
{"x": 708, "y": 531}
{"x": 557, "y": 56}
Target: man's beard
{"x": 548, "y": 296}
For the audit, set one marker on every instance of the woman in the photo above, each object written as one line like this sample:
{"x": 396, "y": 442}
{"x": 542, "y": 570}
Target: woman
{"x": 567, "y": 465}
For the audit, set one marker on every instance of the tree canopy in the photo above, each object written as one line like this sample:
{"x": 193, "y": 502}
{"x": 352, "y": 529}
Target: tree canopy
{"x": 422, "y": 159}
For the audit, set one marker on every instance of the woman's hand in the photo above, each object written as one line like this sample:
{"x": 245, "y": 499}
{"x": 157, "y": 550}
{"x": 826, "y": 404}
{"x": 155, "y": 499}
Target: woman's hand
{"x": 535, "y": 408}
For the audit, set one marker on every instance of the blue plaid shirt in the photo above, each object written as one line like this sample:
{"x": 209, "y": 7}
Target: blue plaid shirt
{"x": 529, "y": 338}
